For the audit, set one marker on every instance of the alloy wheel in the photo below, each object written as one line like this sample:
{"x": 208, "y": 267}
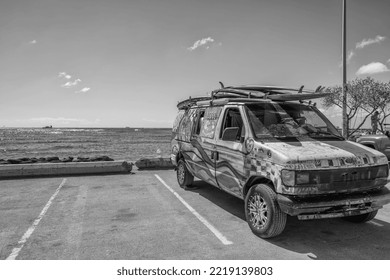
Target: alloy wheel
{"x": 258, "y": 211}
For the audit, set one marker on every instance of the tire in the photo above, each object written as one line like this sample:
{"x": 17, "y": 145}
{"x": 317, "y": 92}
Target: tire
{"x": 361, "y": 218}
{"x": 263, "y": 213}
{"x": 184, "y": 177}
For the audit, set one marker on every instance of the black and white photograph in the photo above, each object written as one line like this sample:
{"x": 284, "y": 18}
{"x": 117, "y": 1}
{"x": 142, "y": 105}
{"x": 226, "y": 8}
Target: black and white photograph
{"x": 194, "y": 138}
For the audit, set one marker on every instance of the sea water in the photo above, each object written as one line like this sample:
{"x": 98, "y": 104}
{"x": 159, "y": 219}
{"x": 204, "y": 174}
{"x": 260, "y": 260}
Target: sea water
{"x": 118, "y": 143}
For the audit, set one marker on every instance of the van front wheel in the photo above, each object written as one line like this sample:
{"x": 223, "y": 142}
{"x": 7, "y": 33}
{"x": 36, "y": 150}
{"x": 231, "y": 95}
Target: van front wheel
{"x": 184, "y": 177}
{"x": 263, "y": 213}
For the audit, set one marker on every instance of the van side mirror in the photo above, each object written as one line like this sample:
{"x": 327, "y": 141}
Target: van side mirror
{"x": 230, "y": 133}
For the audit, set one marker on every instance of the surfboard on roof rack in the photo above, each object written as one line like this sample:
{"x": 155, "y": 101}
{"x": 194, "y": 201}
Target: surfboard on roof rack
{"x": 255, "y": 92}
{"x": 191, "y": 101}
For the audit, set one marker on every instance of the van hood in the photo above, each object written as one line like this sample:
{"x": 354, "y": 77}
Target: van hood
{"x": 318, "y": 154}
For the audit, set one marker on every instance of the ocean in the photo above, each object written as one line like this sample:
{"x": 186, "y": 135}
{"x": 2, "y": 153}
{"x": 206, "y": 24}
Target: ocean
{"x": 118, "y": 143}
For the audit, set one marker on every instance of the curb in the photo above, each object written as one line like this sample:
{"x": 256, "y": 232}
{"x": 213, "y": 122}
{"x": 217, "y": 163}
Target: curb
{"x": 56, "y": 169}
{"x": 154, "y": 163}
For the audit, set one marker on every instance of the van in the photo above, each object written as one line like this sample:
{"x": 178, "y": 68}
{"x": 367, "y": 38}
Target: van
{"x": 275, "y": 150}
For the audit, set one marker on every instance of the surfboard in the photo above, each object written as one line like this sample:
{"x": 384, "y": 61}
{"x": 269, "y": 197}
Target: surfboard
{"x": 256, "y": 92}
{"x": 191, "y": 101}
{"x": 297, "y": 96}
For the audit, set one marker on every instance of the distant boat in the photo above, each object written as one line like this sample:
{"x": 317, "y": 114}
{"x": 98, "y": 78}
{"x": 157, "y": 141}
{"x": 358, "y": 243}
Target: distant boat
{"x": 136, "y": 129}
{"x": 49, "y": 126}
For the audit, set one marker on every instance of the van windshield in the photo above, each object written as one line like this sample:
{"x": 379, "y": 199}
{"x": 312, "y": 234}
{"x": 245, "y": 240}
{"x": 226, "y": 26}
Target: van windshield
{"x": 282, "y": 120}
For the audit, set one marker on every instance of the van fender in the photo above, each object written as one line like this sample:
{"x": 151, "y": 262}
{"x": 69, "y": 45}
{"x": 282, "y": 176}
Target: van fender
{"x": 254, "y": 180}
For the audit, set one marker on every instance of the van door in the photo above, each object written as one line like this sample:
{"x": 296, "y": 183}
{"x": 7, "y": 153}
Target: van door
{"x": 229, "y": 153}
{"x": 203, "y": 143}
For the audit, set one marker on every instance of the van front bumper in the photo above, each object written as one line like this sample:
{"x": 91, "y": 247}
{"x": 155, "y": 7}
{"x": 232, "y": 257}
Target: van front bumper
{"x": 333, "y": 206}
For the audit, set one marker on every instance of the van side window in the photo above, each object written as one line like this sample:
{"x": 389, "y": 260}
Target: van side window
{"x": 199, "y": 121}
{"x": 186, "y": 125}
{"x": 210, "y": 119}
{"x": 233, "y": 119}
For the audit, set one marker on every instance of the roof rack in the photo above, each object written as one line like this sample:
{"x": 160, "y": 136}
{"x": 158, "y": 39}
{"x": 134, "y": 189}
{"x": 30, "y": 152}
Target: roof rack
{"x": 248, "y": 92}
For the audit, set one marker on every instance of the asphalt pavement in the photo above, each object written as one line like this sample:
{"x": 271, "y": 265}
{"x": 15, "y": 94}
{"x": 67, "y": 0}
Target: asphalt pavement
{"x": 146, "y": 215}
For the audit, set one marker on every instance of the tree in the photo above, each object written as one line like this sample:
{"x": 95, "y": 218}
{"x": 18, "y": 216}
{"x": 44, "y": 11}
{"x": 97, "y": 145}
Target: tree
{"x": 381, "y": 100}
{"x": 363, "y": 95}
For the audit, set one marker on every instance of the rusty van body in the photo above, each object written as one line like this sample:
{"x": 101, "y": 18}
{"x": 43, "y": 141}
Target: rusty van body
{"x": 280, "y": 154}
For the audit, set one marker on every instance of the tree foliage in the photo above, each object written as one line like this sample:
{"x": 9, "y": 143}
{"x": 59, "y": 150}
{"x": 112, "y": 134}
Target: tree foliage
{"x": 363, "y": 95}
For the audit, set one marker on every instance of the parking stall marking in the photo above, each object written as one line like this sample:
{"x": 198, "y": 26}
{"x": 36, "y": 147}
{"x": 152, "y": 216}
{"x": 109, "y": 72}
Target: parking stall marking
{"x": 216, "y": 232}
{"x": 30, "y": 230}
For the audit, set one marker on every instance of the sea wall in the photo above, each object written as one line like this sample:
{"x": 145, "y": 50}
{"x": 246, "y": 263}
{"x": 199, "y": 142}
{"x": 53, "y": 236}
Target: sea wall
{"x": 8, "y": 171}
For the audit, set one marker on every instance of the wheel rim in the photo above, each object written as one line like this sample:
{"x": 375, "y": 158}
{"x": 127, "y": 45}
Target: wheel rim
{"x": 181, "y": 173}
{"x": 258, "y": 211}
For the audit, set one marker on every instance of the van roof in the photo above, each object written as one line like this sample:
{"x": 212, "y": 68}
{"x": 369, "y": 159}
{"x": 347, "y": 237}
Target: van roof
{"x": 253, "y": 93}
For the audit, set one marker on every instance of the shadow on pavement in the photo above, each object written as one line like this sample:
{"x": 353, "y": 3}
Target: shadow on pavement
{"x": 324, "y": 239}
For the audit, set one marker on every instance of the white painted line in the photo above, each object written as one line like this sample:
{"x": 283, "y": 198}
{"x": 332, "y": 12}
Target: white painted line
{"x": 216, "y": 232}
{"x": 376, "y": 224}
{"x": 30, "y": 230}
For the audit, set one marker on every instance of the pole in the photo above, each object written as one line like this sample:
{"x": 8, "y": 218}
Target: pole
{"x": 344, "y": 46}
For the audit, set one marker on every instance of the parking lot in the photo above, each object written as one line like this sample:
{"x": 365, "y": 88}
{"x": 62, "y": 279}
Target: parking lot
{"x": 146, "y": 215}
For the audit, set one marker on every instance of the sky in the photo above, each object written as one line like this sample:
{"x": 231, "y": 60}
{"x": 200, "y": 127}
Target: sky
{"x": 126, "y": 63}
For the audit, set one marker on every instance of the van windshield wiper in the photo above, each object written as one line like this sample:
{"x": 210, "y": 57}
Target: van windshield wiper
{"x": 327, "y": 133}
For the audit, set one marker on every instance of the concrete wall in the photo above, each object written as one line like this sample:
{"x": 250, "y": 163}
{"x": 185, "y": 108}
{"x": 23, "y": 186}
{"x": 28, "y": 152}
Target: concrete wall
{"x": 70, "y": 168}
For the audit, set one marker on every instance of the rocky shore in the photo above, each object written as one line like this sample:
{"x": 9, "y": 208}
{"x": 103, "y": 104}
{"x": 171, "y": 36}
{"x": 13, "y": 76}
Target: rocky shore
{"x": 54, "y": 159}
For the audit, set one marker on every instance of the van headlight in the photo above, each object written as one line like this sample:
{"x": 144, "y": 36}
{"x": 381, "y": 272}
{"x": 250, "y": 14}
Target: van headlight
{"x": 302, "y": 178}
{"x": 292, "y": 178}
{"x": 288, "y": 178}
{"x": 383, "y": 171}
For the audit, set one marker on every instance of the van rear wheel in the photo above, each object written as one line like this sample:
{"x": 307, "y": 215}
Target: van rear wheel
{"x": 184, "y": 177}
{"x": 361, "y": 218}
{"x": 263, "y": 214}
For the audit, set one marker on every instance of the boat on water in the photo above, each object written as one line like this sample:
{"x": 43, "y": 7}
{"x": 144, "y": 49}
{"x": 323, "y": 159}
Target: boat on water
{"x": 48, "y": 126}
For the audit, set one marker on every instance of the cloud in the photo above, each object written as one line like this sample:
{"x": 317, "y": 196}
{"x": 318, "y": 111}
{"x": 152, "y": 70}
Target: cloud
{"x": 71, "y": 84}
{"x": 86, "y": 89}
{"x": 350, "y": 55}
{"x": 366, "y": 42}
{"x": 32, "y": 42}
{"x": 205, "y": 42}
{"x": 372, "y": 68}
{"x": 64, "y": 75}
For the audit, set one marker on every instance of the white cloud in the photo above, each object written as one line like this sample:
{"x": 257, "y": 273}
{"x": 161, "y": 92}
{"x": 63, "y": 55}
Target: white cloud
{"x": 64, "y": 75}
{"x": 366, "y": 42}
{"x": 71, "y": 84}
{"x": 372, "y": 68}
{"x": 32, "y": 42}
{"x": 86, "y": 89}
{"x": 350, "y": 55}
{"x": 202, "y": 42}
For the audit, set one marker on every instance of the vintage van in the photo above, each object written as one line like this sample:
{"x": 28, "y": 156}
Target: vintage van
{"x": 280, "y": 154}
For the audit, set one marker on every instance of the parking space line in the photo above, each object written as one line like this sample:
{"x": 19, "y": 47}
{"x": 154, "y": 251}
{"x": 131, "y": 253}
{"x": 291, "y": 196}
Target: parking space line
{"x": 216, "y": 232}
{"x": 30, "y": 230}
